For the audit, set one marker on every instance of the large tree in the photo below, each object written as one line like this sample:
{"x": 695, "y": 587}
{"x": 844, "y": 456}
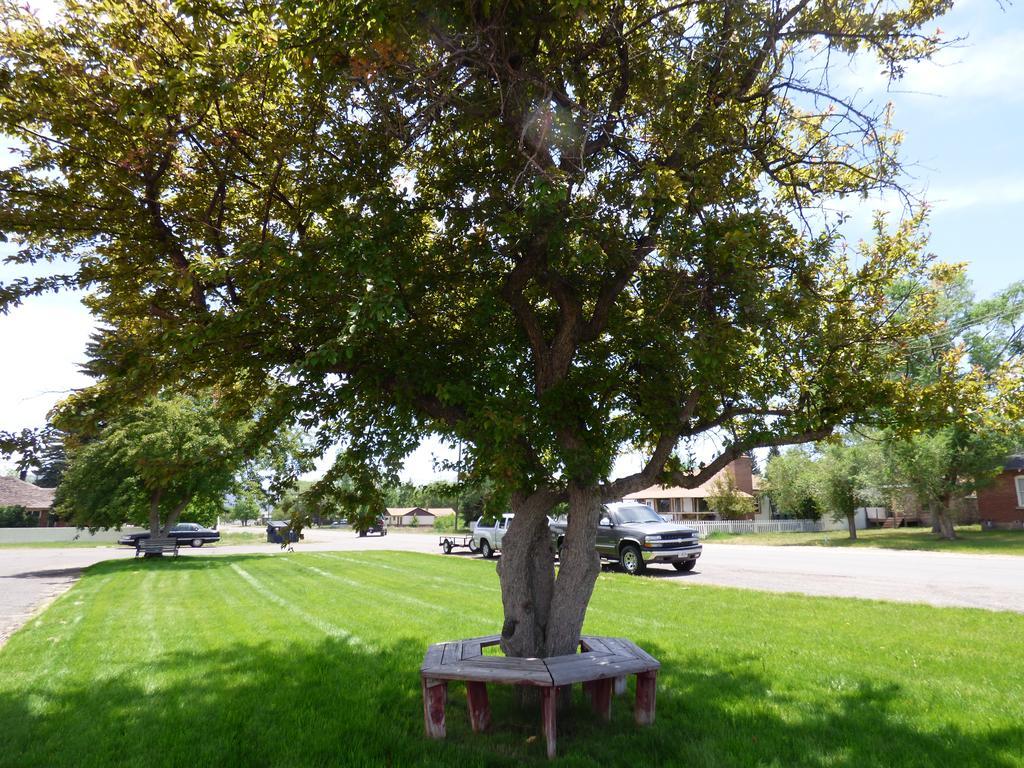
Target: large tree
{"x": 549, "y": 230}
{"x": 147, "y": 465}
{"x": 970, "y": 371}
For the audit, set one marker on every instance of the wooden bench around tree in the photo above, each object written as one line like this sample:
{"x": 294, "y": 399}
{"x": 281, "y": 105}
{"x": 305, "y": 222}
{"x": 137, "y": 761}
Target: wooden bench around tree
{"x": 601, "y": 665}
{"x": 156, "y": 547}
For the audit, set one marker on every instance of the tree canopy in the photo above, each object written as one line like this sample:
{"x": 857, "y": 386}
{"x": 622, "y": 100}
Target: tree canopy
{"x": 148, "y": 465}
{"x": 549, "y": 230}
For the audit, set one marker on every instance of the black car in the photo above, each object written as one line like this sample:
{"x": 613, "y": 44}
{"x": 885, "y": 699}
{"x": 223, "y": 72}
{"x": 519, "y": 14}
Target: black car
{"x": 379, "y": 526}
{"x": 186, "y": 533}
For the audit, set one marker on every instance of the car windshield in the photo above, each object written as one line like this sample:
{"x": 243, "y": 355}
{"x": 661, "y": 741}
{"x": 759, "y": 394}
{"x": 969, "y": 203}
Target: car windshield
{"x": 637, "y": 514}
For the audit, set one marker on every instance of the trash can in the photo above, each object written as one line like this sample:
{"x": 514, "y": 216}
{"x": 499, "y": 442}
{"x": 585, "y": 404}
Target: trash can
{"x": 277, "y": 530}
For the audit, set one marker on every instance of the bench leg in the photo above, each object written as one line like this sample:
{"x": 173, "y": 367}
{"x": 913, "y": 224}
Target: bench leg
{"x": 549, "y": 706}
{"x": 620, "y": 685}
{"x": 435, "y": 696}
{"x": 646, "y": 689}
{"x": 478, "y": 705}
{"x": 600, "y": 693}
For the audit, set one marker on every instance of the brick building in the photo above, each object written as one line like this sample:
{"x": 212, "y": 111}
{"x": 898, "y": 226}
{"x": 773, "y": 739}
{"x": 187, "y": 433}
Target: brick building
{"x": 1001, "y": 505}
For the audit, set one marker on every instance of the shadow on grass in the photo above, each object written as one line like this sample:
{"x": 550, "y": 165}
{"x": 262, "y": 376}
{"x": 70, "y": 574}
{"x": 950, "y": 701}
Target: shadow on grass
{"x": 171, "y": 562}
{"x": 339, "y": 704}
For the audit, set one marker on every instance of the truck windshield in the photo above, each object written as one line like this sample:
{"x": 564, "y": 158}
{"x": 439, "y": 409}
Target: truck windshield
{"x": 637, "y": 514}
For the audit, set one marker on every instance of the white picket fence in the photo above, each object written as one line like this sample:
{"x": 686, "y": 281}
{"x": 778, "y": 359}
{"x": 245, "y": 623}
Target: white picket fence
{"x": 754, "y": 526}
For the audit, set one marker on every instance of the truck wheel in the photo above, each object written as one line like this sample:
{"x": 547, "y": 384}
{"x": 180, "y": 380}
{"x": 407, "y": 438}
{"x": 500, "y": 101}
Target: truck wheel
{"x": 631, "y": 559}
{"x": 684, "y": 565}
{"x": 446, "y": 547}
{"x": 485, "y": 548}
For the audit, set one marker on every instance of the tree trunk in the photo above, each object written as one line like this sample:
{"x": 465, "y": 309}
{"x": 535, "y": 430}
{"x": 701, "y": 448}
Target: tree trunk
{"x": 172, "y": 519}
{"x": 544, "y": 615}
{"x": 578, "y": 567}
{"x": 943, "y": 515}
{"x": 527, "y": 575}
{"x": 851, "y": 525}
{"x": 154, "y": 515}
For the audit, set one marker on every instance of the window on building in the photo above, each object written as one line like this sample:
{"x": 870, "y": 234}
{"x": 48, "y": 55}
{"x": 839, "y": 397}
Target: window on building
{"x": 1020, "y": 490}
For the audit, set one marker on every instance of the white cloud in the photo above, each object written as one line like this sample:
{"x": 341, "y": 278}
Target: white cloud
{"x": 983, "y": 68}
{"x": 42, "y": 343}
{"x": 988, "y": 192}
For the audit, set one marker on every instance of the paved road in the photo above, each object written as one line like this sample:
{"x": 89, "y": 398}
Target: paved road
{"x": 995, "y": 582}
{"x": 30, "y": 578}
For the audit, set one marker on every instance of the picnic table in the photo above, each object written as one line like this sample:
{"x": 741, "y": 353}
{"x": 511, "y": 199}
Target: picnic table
{"x": 601, "y": 666}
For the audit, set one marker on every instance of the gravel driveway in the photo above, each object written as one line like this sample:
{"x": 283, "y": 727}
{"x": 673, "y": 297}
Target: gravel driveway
{"x": 31, "y": 578}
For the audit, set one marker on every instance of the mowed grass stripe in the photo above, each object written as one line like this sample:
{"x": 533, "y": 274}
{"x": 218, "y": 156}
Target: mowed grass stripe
{"x": 267, "y": 593}
{"x": 464, "y": 609}
{"x": 378, "y": 561}
{"x": 350, "y": 586}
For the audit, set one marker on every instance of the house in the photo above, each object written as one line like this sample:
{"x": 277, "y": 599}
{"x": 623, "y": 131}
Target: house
{"x": 403, "y": 516}
{"x": 1001, "y": 505}
{"x": 36, "y": 501}
{"x": 691, "y": 503}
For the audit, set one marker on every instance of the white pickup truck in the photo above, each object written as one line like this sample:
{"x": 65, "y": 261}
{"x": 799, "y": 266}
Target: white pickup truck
{"x": 487, "y": 538}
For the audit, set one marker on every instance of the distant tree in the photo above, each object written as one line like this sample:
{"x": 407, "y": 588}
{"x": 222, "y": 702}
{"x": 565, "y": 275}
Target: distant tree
{"x": 837, "y": 481}
{"x": 728, "y": 501}
{"x": 17, "y": 517}
{"x": 39, "y": 451}
{"x": 790, "y": 479}
{"x": 147, "y": 466}
{"x": 970, "y": 367}
{"x": 247, "y": 504}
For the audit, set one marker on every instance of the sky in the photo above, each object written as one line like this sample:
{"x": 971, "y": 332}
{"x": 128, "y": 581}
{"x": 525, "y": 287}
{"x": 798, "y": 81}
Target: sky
{"x": 962, "y": 116}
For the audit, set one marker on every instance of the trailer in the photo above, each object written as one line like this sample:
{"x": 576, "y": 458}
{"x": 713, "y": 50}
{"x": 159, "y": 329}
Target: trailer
{"x": 448, "y": 543}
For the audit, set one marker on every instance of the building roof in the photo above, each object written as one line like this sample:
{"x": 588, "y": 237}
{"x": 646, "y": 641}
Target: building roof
{"x": 1015, "y": 462}
{"x": 441, "y": 511}
{"x": 675, "y": 492}
{"x": 417, "y": 511}
{"x": 18, "y": 493}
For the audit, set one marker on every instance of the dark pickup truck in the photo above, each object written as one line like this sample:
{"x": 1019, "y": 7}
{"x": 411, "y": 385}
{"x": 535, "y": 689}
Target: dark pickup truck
{"x": 636, "y": 536}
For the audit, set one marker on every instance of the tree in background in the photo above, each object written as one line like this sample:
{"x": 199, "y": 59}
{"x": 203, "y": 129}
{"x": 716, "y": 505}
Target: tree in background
{"x": 470, "y": 498}
{"x": 790, "y": 479}
{"x": 149, "y": 465}
{"x": 807, "y": 481}
{"x": 728, "y": 501}
{"x": 17, "y": 517}
{"x": 968, "y": 373}
{"x": 39, "y": 451}
{"x": 971, "y": 368}
{"x": 549, "y": 231}
{"x": 838, "y": 480}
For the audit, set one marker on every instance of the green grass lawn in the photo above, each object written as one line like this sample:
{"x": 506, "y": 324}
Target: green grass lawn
{"x": 244, "y": 537}
{"x": 971, "y": 540}
{"x": 312, "y": 660}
